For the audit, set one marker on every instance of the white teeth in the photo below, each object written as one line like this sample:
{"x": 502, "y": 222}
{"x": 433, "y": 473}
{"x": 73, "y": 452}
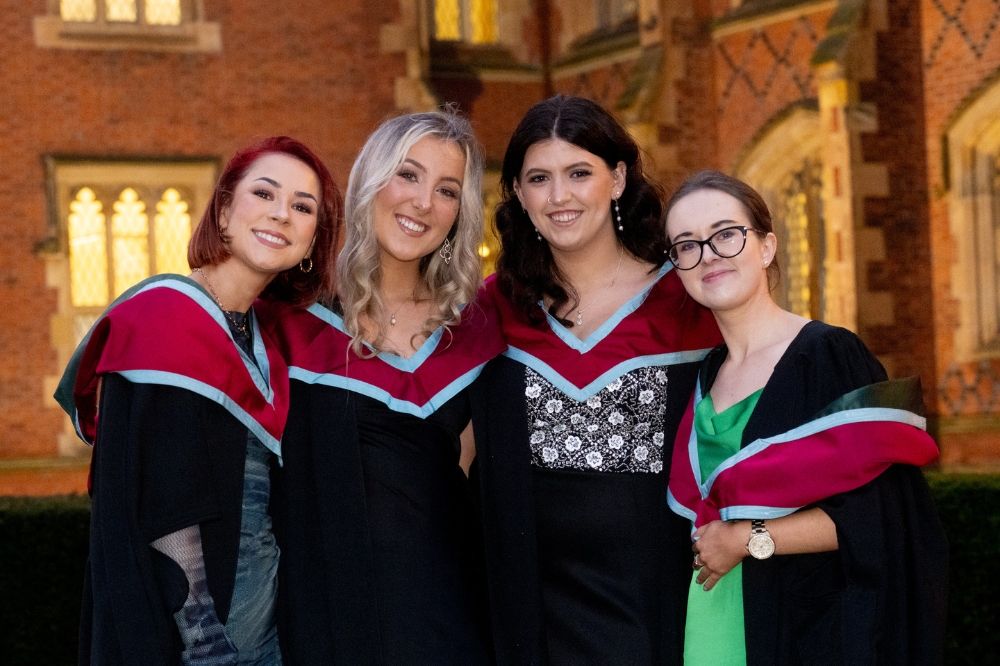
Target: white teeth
{"x": 411, "y": 225}
{"x": 271, "y": 239}
{"x": 565, "y": 217}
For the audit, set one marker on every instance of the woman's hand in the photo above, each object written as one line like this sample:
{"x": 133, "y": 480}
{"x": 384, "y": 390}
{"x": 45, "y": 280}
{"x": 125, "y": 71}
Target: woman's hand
{"x": 718, "y": 547}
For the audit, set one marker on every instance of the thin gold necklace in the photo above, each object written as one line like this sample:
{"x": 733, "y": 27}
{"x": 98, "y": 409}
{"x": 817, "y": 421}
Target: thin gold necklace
{"x": 240, "y": 326}
{"x": 579, "y": 313}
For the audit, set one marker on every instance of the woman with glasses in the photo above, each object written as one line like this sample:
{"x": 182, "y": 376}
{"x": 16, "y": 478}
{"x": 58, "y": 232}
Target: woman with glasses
{"x": 815, "y": 538}
{"x": 574, "y": 423}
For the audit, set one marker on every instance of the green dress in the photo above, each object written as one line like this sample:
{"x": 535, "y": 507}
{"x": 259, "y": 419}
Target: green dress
{"x": 713, "y": 635}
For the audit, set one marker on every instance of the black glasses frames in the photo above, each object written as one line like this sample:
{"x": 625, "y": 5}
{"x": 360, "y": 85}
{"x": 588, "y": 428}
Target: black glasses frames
{"x": 727, "y": 243}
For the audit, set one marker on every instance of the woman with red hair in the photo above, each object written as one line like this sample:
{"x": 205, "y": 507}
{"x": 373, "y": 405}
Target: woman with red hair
{"x": 193, "y": 400}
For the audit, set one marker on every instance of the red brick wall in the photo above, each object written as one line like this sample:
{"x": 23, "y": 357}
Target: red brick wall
{"x": 309, "y": 69}
{"x": 759, "y": 73}
{"x": 897, "y": 94}
{"x": 954, "y": 66}
{"x": 494, "y": 108}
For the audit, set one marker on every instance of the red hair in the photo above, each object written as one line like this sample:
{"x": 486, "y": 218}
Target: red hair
{"x": 207, "y": 246}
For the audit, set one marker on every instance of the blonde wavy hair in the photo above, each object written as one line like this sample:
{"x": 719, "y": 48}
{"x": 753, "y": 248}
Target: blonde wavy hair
{"x": 359, "y": 270}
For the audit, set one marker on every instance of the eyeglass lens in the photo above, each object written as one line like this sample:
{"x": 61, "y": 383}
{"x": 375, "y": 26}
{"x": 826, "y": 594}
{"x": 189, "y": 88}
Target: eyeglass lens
{"x": 726, "y": 243}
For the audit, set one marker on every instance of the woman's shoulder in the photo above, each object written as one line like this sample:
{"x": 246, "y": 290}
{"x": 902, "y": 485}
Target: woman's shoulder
{"x": 820, "y": 338}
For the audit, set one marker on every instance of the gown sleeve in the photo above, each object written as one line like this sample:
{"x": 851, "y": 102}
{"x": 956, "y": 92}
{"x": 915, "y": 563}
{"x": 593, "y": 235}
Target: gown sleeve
{"x": 887, "y": 582}
{"x": 155, "y": 471}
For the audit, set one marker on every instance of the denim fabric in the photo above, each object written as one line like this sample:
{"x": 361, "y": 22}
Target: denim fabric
{"x": 250, "y": 625}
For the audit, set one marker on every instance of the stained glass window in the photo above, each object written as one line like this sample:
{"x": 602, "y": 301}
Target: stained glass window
{"x": 447, "y": 20}
{"x": 469, "y": 20}
{"x": 163, "y": 12}
{"x": 123, "y": 11}
{"x": 483, "y": 21}
{"x": 78, "y": 10}
{"x": 799, "y": 222}
{"x": 88, "y": 253}
{"x": 129, "y": 241}
{"x": 171, "y": 233}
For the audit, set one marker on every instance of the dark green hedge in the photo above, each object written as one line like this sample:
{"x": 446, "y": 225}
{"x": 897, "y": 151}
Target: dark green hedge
{"x": 43, "y": 551}
{"x": 43, "y": 548}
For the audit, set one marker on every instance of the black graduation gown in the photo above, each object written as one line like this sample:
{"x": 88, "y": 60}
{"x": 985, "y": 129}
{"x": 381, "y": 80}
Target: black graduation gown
{"x": 879, "y": 599}
{"x": 165, "y": 459}
{"x": 337, "y": 498}
{"x": 505, "y": 479}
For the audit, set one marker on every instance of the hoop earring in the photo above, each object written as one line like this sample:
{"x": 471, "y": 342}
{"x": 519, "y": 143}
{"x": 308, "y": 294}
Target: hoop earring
{"x": 618, "y": 214}
{"x": 445, "y": 251}
{"x": 302, "y": 265}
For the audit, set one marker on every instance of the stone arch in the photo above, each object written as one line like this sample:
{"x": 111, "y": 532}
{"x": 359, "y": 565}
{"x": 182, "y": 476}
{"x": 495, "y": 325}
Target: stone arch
{"x": 973, "y": 154}
{"x": 784, "y": 164}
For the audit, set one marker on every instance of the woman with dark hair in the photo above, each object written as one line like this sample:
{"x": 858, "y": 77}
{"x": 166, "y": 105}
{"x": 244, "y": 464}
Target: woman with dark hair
{"x": 193, "y": 401}
{"x": 381, "y": 554}
{"x": 796, "y": 451}
{"x": 573, "y": 424}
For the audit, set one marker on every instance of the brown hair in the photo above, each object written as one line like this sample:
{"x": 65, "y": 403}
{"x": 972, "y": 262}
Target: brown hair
{"x": 753, "y": 204}
{"x": 208, "y": 246}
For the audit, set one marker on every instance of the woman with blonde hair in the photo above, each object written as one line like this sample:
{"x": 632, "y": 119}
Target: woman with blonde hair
{"x": 378, "y": 533}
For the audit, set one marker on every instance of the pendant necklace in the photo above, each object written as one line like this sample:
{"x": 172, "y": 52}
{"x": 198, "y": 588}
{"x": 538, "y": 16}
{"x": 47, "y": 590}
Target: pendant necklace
{"x": 240, "y": 326}
{"x": 579, "y": 313}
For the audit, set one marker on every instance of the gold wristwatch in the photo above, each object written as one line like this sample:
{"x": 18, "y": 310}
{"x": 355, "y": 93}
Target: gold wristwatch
{"x": 761, "y": 545}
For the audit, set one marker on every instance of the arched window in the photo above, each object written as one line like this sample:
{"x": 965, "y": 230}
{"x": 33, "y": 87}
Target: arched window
{"x": 472, "y": 21}
{"x": 784, "y": 166}
{"x": 974, "y": 216}
{"x": 122, "y": 223}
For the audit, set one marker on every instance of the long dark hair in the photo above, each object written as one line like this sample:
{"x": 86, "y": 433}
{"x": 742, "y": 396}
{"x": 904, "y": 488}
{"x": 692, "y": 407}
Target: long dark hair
{"x": 753, "y": 204}
{"x": 526, "y": 271}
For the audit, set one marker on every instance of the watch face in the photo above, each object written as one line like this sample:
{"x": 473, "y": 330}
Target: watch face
{"x": 761, "y": 546}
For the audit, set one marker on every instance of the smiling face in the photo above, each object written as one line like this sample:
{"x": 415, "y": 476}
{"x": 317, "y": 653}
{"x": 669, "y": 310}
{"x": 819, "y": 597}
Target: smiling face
{"x": 567, "y": 192}
{"x": 720, "y": 283}
{"x": 271, "y": 220}
{"x": 416, "y": 209}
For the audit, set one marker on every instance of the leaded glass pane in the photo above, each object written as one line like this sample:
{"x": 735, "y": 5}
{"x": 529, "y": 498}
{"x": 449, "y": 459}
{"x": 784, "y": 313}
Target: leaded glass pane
{"x": 172, "y": 231}
{"x": 447, "y": 20}
{"x": 120, "y": 10}
{"x": 797, "y": 227}
{"x": 484, "y": 29}
{"x": 163, "y": 12}
{"x": 88, "y": 251}
{"x": 78, "y": 10}
{"x": 129, "y": 241}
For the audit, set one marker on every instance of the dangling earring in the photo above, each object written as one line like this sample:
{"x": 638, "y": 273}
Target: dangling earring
{"x": 539, "y": 234}
{"x": 618, "y": 214}
{"x": 302, "y": 264}
{"x": 445, "y": 251}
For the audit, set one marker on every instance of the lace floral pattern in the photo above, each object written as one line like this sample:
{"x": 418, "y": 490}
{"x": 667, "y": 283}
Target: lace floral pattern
{"x": 620, "y": 429}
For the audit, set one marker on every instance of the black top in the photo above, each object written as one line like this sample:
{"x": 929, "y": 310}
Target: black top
{"x": 583, "y": 567}
{"x": 880, "y": 598}
{"x": 381, "y": 562}
{"x": 165, "y": 459}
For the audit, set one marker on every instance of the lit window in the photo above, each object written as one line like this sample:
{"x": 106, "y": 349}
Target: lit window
{"x": 78, "y": 10}
{"x": 172, "y": 230}
{"x": 121, "y": 10}
{"x": 88, "y": 250}
{"x": 149, "y": 25}
{"x": 129, "y": 241}
{"x": 472, "y": 21}
{"x": 122, "y": 222}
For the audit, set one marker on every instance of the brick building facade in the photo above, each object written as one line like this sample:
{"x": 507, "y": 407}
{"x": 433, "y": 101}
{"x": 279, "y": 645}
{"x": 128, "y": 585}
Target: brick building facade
{"x": 872, "y": 127}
